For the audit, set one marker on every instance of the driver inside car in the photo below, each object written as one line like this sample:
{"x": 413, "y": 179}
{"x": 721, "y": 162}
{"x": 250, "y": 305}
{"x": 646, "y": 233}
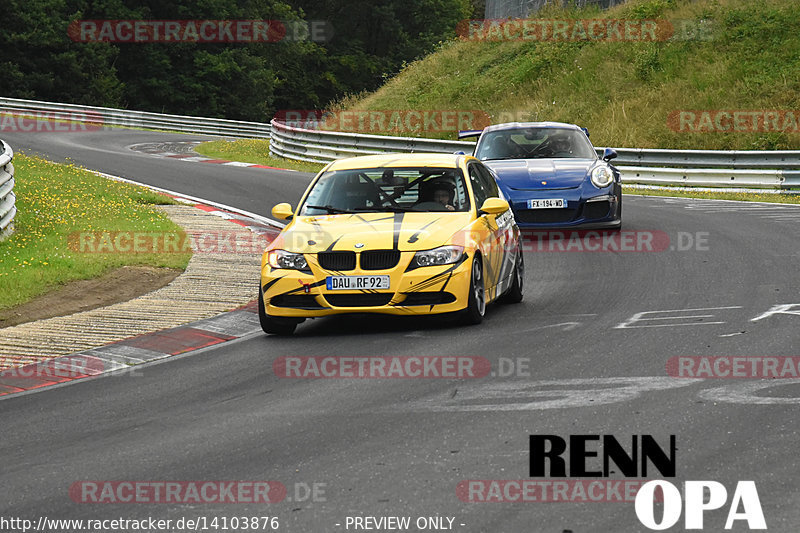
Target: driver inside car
{"x": 560, "y": 144}
{"x": 443, "y": 194}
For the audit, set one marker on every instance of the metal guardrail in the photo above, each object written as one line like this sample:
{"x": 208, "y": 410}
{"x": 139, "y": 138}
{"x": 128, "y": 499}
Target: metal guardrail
{"x": 758, "y": 159}
{"x": 318, "y": 146}
{"x": 711, "y": 177}
{"x": 106, "y": 116}
{"x": 7, "y": 198}
{"x": 711, "y": 168}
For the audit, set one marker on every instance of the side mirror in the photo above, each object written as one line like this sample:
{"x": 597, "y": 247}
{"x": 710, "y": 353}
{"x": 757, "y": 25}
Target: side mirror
{"x": 609, "y": 154}
{"x": 494, "y": 206}
{"x": 282, "y": 211}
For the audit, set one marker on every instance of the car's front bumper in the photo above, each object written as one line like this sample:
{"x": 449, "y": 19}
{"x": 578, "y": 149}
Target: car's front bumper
{"x": 417, "y": 291}
{"x": 584, "y": 210}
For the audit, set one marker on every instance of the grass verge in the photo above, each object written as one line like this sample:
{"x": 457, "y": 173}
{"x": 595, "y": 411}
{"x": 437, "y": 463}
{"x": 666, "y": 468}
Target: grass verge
{"x": 717, "y": 195}
{"x": 626, "y": 93}
{"x": 57, "y": 200}
{"x": 252, "y": 151}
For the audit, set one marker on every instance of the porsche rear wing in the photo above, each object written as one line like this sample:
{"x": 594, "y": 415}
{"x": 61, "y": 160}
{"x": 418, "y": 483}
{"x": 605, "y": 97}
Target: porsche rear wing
{"x": 465, "y": 134}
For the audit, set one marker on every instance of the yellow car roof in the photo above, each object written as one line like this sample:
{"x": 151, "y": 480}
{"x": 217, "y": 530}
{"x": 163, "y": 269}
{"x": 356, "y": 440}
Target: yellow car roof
{"x": 398, "y": 160}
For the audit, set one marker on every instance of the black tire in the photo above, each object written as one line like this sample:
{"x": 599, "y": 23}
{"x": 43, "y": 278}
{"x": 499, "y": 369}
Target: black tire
{"x": 273, "y": 325}
{"x": 476, "y": 303}
{"x": 514, "y": 294}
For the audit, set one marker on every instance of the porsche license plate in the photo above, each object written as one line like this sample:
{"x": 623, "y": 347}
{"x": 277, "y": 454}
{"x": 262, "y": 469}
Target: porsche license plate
{"x": 547, "y": 203}
{"x": 349, "y": 283}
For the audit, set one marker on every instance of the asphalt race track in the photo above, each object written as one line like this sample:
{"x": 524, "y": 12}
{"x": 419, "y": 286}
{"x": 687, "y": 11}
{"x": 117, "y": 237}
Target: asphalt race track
{"x": 590, "y": 343}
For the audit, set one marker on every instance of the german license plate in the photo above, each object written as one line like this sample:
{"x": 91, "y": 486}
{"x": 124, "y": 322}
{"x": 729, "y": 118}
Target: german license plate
{"x": 549, "y": 203}
{"x": 349, "y": 283}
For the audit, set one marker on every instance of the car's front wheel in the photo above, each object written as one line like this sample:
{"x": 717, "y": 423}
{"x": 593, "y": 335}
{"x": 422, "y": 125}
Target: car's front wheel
{"x": 274, "y": 325}
{"x": 476, "y": 303}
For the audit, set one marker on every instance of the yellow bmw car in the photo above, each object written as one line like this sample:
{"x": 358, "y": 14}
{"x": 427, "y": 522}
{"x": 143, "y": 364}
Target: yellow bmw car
{"x": 402, "y": 234}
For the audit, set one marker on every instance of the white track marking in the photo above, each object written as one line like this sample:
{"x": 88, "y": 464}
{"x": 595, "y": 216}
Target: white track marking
{"x": 196, "y": 199}
{"x": 640, "y": 317}
{"x": 544, "y": 394}
{"x": 746, "y": 392}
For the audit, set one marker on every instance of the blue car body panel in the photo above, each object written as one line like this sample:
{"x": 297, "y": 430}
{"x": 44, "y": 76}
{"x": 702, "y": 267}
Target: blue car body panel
{"x": 564, "y": 178}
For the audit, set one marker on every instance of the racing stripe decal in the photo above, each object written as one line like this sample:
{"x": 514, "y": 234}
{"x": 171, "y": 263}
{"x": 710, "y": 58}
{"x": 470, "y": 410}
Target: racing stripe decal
{"x": 266, "y": 287}
{"x": 302, "y": 288}
{"x": 330, "y": 248}
{"x": 424, "y": 284}
{"x": 398, "y": 225}
{"x": 489, "y": 272}
{"x": 444, "y": 285}
{"x": 365, "y": 221}
{"x": 414, "y": 238}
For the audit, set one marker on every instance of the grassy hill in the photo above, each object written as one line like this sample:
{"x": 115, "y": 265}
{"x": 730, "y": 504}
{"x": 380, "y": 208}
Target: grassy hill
{"x": 748, "y": 58}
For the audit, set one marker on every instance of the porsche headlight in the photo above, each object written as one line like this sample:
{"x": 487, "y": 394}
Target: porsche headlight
{"x": 443, "y": 255}
{"x": 284, "y": 259}
{"x": 602, "y": 176}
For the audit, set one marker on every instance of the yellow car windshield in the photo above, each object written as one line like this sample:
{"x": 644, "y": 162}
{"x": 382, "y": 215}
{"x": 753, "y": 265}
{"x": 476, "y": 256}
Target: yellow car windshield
{"x": 388, "y": 189}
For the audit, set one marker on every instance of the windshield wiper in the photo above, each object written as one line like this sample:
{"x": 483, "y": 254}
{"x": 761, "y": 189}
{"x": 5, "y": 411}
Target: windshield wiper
{"x": 330, "y": 209}
{"x": 390, "y": 208}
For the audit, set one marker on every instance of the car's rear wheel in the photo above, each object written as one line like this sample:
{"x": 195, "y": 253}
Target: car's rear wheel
{"x": 274, "y": 325}
{"x": 476, "y": 303}
{"x": 514, "y": 293}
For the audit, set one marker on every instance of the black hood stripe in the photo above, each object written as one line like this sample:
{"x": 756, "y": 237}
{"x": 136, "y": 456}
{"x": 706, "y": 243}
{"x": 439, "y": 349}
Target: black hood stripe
{"x": 398, "y": 226}
{"x": 414, "y": 238}
{"x": 329, "y": 248}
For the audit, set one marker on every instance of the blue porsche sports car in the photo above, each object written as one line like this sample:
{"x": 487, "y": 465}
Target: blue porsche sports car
{"x": 551, "y": 174}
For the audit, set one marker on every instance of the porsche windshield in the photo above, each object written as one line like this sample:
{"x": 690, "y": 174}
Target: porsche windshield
{"x": 535, "y": 143}
{"x": 388, "y": 189}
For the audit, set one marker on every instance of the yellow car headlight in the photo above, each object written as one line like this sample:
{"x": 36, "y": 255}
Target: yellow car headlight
{"x": 443, "y": 255}
{"x": 284, "y": 259}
